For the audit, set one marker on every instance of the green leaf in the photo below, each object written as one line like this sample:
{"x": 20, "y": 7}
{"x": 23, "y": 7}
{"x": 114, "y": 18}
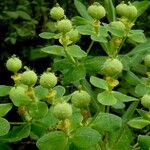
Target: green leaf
{"x": 131, "y": 78}
{"x": 86, "y": 30}
{"x": 74, "y": 74}
{"x": 77, "y": 20}
{"x": 55, "y": 50}
{"x": 138, "y": 123}
{"x": 5, "y": 108}
{"x": 100, "y": 83}
{"x": 17, "y": 134}
{"x": 122, "y": 97}
{"x": 76, "y": 51}
{"x": 107, "y": 122}
{"x": 99, "y": 38}
{"x": 4, "y": 126}
{"x": 144, "y": 142}
{"x": 141, "y": 48}
{"x": 4, "y": 90}
{"x": 24, "y": 15}
{"x": 47, "y": 35}
{"x": 82, "y": 9}
{"x": 144, "y": 114}
{"x": 12, "y": 14}
{"x": 141, "y": 6}
{"x": 40, "y": 92}
{"x": 56, "y": 140}
{"x": 142, "y": 89}
{"x": 110, "y": 9}
{"x": 37, "y": 109}
{"x": 116, "y": 32}
{"x": 60, "y": 91}
{"x": 106, "y": 98}
{"x": 86, "y": 137}
{"x": 137, "y": 36}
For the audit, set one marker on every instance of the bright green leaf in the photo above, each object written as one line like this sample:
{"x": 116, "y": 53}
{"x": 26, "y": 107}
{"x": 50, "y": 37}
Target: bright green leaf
{"x": 4, "y": 90}
{"x": 5, "y": 108}
{"x": 4, "y": 126}
{"x": 47, "y": 35}
{"x": 144, "y": 142}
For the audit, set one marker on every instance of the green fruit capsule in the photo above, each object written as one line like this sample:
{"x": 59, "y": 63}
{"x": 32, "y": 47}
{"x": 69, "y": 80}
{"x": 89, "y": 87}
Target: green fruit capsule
{"x": 80, "y": 99}
{"x": 118, "y": 25}
{"x": 62, "y": 111}
{"x": 57, "y": 13}
{"x": 132, "y": 12}
{"x": 96, "y": 11}
{"x": 64, "y": 25}
{"x": 147, "y": 60}
{"x": 14, "y": 64}
{"x": 29, "y": 78}
{"x": 145, "y": 101}
{"x": 73, "y": 35}
{"x": 122, "y": 9}
{"x": 48, "y": 80}
{"x": 112, "y": 67}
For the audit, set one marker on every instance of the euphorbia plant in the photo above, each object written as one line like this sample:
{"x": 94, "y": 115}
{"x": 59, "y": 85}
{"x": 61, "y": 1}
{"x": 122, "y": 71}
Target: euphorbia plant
{"x": 84, "y": 101}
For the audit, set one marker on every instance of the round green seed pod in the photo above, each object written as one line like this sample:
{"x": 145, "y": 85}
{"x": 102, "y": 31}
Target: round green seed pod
{"x": 122, "y": 9}
{"x": 96, "y": 11}
{"x": 62, "y": 111}
{"x": 48, "y": 80}
{"x": 132, "y": 12}
{"x": 57, "y": 13}
{"x": 29, "y": 78}
{"x": 118, "y": 25}
{"x": 147, "y": 60}
{"x": 64, "y": 25}
{"x": 145, "y": 101}
{"x": 73, "y": 35}
{"x": 80, "y": 99}
{"x": 14, "y": 64}
{"x": 112, "y": 67}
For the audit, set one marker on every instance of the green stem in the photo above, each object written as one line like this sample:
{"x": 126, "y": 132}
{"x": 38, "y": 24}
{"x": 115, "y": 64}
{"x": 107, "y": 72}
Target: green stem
{"x": 90, "y": 46}
{"x": 17, "y": 123}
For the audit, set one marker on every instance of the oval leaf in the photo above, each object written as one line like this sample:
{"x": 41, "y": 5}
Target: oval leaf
{"x": 4, "y": 126}
{"x": 4, "y": 109}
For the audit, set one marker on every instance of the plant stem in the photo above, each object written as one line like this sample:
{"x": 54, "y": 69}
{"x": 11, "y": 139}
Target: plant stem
{"x": 90, "y": 46}
{"x": 17, "y": 123}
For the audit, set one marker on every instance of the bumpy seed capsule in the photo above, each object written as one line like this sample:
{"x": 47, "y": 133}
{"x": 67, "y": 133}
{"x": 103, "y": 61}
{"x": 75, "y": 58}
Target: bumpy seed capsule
{"x": 64, "y": 25}
{"x": 132, "y": 12}
{"x": 73, "y": 35}
{"x": 122, "y": 9}
{"x": 57, "y": 13}
{"x": 80, "y": 99}
{"x": 147, "y": 60}
{"x": 112, "y": 67}
{"x": 96, "y": 11}
{"x": 62, "y": 111}
{"x": 48, "y": 80}
{"x": 145, "y": 101}
{"x": 118, "y": 25}
{"x": 14, "y": 64}
{"x": 29, "y": 78}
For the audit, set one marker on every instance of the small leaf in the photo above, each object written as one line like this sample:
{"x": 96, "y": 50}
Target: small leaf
{"x": 142, "y": 89}
{"x": 47, "y": 35}
{"x": 40, "y": 92}
{"x": 12, "y": 14}
{"x": 99, "y": 38}
{"x": 100, "y": 83}
{"x": 17, "y": 134}
{"x": 55, "y": 50}
{"x": 144, "y": 142}
{"x": 110, "y": 10}
{"x": 82, "y": 9}
{"x": 107, "y": 122}
{"x": 37, "y": 109}
{"x": 56, "y": 140}
{"x": 60, "y": 91}
{"x": 4, "y": 126}
{"x": 122, "y": 97}
{"x": 137, "y": 36}
{"x": 24, "y": 15}
{"x": 4, "y": 90}
{"x": 5, "y": 108}
{"x": 106, "y": 98}
{"x": 76, "y": 51}
{"x": 86, "y": 137}
{"x": 86, "y": 30}
{"x": 138, "y": 123}
{"x": 74, "y": 74}
{"x": 77, "y": 20}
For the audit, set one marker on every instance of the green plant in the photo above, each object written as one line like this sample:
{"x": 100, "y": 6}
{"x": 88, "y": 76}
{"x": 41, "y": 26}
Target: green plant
{"x": 89, "y": 100}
